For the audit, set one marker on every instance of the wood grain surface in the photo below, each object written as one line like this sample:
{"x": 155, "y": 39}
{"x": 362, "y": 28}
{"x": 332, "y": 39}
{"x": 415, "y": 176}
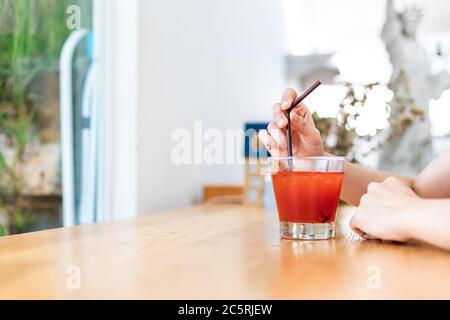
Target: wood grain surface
{"x": 214, "y": 252}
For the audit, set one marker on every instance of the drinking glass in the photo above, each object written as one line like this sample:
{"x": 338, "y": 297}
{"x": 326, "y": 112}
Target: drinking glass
{"x": 307, "y": 192}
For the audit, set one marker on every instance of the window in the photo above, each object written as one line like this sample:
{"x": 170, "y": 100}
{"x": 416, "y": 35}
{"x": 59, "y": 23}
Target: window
{"x": 32, "y": 37}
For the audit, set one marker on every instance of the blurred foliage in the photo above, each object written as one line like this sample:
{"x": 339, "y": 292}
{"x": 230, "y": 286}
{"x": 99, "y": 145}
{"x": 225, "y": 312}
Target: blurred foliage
{"x": 32, "y": 33}
{"x": 339, "y": 134}
{"x": 22, "y": 218}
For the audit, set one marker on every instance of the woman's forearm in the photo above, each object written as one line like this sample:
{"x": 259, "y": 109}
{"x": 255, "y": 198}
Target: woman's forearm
{"x": 358, "y": 178}
{"x": 428, "y": 220}
{"x": 434, "y": 181}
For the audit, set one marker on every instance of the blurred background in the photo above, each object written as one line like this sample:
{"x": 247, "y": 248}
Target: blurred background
{"x": 91, "y": 92}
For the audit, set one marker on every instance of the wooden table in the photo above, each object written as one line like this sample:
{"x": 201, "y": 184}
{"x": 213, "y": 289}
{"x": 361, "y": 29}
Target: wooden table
{"x": 212, "y": 252}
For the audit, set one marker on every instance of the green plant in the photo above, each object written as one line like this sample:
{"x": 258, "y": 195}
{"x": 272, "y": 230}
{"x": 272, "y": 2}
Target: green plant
{"x": 32, "y": 34}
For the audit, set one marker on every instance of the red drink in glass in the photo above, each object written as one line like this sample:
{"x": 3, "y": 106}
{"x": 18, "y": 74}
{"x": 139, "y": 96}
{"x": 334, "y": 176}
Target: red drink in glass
{"x": 307, "y": 193}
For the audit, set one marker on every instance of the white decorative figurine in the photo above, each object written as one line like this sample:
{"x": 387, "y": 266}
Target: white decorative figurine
{"x": 409, "y": 151}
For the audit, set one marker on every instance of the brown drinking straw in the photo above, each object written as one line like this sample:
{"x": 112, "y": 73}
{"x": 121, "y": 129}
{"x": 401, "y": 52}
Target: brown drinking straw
{"x": 288, "y": 115}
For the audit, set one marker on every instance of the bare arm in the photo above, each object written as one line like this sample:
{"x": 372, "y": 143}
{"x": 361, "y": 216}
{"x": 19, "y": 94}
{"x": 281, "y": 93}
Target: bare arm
{"x": 434, "y": 181}
{"x": 357, "y": 179}
{"x": 420, "y": 226}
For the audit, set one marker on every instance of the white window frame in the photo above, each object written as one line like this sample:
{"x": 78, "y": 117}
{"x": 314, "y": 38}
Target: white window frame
{"x": 116, "y": 52}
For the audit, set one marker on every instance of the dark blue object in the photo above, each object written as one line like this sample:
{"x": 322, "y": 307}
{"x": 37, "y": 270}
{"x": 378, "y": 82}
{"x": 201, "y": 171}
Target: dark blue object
{"x": 253, "y": 148}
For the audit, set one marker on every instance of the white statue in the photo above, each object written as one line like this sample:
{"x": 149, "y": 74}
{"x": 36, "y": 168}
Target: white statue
{"x": 410, "y": 151}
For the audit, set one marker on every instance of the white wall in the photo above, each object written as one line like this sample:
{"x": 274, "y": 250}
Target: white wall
{"x": 116, "y": 60}
{"x": 219, "y": 61}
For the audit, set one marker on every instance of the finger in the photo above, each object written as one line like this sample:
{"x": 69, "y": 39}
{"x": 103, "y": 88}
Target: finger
{"x": 276, "y": 108}
{"x": 392, "y": 181}
{"x": 287, "y": 98}
{"x": 369, "y": 237}
{"x": 278, "y": 116}
{"x": 365, "y": 200}
{"x": 270, "y": 144}
{"x": 373, "y": 187}
{"x": 278, "y": 135}
{"x": 362, "y": 234}
{"x": 280, "y": 120}
{"x": 354, "y": 224}
{"x": 358, "y": 231}
{"x": 356, "y": 228}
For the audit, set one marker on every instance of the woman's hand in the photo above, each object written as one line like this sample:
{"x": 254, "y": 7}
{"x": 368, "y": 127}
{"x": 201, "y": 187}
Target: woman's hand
{"x": 306, "y": 140}
{"x": 383, "y": 211}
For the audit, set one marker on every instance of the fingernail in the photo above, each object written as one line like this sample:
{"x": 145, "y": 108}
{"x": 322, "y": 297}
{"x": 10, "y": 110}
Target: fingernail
{"x": 280, "y": 121}
{"x": 285, "y": 105}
